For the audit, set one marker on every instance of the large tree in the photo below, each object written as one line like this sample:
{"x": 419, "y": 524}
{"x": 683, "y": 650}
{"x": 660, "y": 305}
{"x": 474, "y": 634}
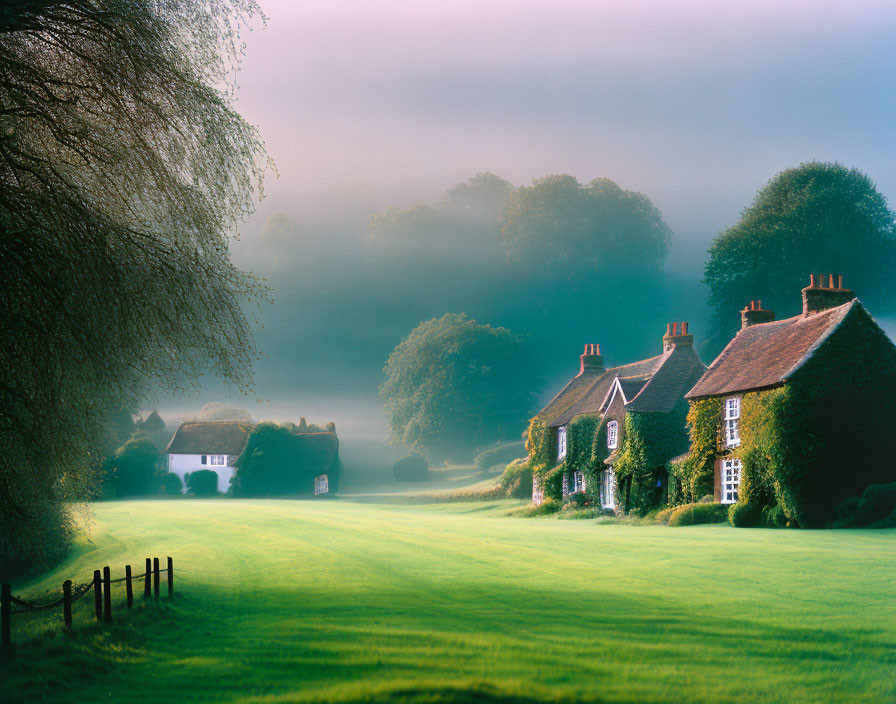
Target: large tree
{"x": 123, "y": 170}
{"x": 453, "y": 385}
{"x": 816, "y": 218}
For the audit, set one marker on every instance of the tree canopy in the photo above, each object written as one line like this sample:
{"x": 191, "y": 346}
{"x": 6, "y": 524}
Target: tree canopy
{"x": 123, "y": 170}
{"x": 453, "y": 385}
{"x": 818, "y": 217}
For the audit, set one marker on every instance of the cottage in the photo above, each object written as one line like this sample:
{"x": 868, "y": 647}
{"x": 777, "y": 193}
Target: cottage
{"x": 610, "y": 432}
{"x": 795, "y": 414}
{"x": 207, "y": 445}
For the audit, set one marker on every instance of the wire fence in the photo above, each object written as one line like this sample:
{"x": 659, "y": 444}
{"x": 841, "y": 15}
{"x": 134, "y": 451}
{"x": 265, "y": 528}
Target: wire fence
{"x": 101, "y": 584}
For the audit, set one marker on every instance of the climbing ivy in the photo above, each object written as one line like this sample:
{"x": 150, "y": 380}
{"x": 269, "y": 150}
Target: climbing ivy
{"x": 692, "y": 478}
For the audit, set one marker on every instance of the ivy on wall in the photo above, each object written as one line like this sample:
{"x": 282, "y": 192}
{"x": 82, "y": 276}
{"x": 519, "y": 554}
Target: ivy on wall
{"x": 692, "y": 478}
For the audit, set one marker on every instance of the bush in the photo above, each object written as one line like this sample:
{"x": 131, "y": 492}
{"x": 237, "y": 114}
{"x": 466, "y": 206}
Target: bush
{"x": 134, "y": 466}
{"x": 412, "y": 468}
{"x": 876, "y": 506}
{"x": 500, "y": 455}
{"x": 773, "y": 517}
{"x": 577, "y": 500}
{"x": 744, "y": 514}
{"x": 517, "y": 479}
{"x": 694, "y": 514}
{"x": 662, "y": 517}
{"x": 170, "y": 485}
{"x": 203, "y": 482}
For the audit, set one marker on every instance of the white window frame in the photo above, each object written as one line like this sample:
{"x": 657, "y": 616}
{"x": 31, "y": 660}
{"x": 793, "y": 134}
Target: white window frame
{"x": 321, "y": 485}
{"x": 578, "y": 481}
{"x": 537, "y": 491}
{"x": 613, "y": 434}
{"x": 561, "y": 442}
{"x": 216, "y": 460}
{"x": 732, "y": 421}
{"x": 729, "y": 480}
{"x": 608, "y": 489}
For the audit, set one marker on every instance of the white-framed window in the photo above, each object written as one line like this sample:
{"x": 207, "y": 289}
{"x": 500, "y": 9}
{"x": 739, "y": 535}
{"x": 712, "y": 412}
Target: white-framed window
{"x": 561, "y": 442}
{"x": 612, "y": 434}
{"x": 730, "y": 480}
{"x": 216, "y": 460}
{"x": 578, "y": 481}
{"x": 732, "y": 421}
{"x": 321, "y": 485}
{"x": 608, "y": 489}
{"x": 537, "y": 491}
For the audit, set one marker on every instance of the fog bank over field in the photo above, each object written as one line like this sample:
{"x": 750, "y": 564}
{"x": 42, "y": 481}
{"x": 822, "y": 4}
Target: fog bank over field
{"x": 695, "y": 105}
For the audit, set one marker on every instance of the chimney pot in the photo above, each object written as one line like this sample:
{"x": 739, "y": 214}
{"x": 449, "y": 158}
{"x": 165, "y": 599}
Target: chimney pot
{"x": 839, "y": 281}
{"x": 684, "y": 328}
{"x": 758, "y": 305}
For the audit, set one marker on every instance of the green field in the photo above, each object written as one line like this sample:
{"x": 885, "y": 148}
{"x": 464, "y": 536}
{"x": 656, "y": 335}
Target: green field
{"x": 340, "y": 601}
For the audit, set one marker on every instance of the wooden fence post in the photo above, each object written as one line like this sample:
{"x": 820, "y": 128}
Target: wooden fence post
{"x": 98, "y": 594}
{"x": 146, "y": 579}
{"x": 129, "y": 587}
{"x": 155, "y": 576}
{"x": 6, "y": 620}
{"x": 67, "y": 605}
{"x": 170, "y": 577}
{"x": 107, "y": 594}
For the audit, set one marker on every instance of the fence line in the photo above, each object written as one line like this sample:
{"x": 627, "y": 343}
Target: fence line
{"x": 102, "y": 589}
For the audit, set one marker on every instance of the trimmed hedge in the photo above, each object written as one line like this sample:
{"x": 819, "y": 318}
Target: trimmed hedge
{"x": 694, "y": 514}
{"x": 170, "y": 485}
{"x": 876, "y": 507}
{"x": 744, "y": 514}
{"x": 203, "y": 482}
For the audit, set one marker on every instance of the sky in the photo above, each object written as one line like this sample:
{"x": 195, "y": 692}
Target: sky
{"x": 696, "y": 104}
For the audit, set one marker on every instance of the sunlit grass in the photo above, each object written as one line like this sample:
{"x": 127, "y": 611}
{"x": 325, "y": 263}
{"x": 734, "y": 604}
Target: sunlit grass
{"x": 334, "y": 601}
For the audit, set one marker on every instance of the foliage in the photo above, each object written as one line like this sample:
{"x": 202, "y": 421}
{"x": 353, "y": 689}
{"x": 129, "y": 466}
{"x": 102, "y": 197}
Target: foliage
{"x": 500, "y": 455}
{"x": 134, "y": 466}
{"x": 876, "y": 507}
{"x": 278, "y": 461}
{"x": 170, "y": 484}
{"x": 453, "y": 384}
{"x": 559, "y": 224}
{"x": 662, "y": 517}
{"x": 123, "y": 169}
{"x": 694, "y": 475}
{"x": 412, "y": 468}
{"x": 818, "y": 217}
{"x": 517, "y": 479}
{"x": 693, "y": 514}
{"x": 744, "y": 514}
{"x": 203, "y": 482}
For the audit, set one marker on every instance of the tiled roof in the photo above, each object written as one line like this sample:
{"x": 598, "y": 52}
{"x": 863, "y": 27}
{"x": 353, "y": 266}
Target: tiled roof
{"x": 226, "y": 437}
{"x": 660, "y": 380}
{"x": 766, "y": 354}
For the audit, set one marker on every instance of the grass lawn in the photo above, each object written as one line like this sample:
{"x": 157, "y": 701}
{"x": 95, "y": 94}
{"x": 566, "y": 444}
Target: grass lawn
{"x": 341, "y": 601}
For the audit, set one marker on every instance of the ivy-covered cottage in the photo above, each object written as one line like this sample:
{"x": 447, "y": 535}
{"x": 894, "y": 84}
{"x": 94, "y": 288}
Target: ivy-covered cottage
{"x": 795, "y": 415}
{"x": 214, "y": 446}
{"x": 609, "y": 434}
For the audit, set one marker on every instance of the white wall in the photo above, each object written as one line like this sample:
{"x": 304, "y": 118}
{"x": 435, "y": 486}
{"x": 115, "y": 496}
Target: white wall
{"x": 184, "y": 464}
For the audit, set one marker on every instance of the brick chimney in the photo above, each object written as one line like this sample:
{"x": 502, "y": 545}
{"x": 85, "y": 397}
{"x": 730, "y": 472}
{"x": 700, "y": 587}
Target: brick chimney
{"x": 591, "y": 359}
{"x": 824, "y": 291}
{"x": 677, "y": 335}
{"x": 754, "y": 313}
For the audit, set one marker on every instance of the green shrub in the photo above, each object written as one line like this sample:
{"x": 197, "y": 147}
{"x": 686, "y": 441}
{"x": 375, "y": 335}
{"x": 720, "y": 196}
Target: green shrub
{"x": 662, "y": 517}
{"x": 500, "y": 455}
{"x": 774, "y": 517}
{"x": 878, "y": 501}
{"x": 517, "y": 479}
{"x": 412, "y": 468}
{"x": 577, "y": 500}
{"x": 744, "y": 514}
{"x": 693, "y": 514}
{"x": 547, "y": 507}
{"x": 170, "y": 484}
{"x": 203, "y": 482}
{"x": 134, "y": 466}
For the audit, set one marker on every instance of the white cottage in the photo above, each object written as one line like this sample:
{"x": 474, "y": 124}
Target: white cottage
{"x": 207, "y": 445}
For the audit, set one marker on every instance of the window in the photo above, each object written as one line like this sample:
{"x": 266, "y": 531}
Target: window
{"x": 321, "y": 485}
{"x": 732, "y": 422}
{"x": 561, "y": 442}
{"x": 537, "y": 491}
{"x": 608, "y": 489}
{"x": 578, "y": 481}
{"x": 730, "y": 480}
{"x": 217, "y": 460}
{"x": 612, "y": 434}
